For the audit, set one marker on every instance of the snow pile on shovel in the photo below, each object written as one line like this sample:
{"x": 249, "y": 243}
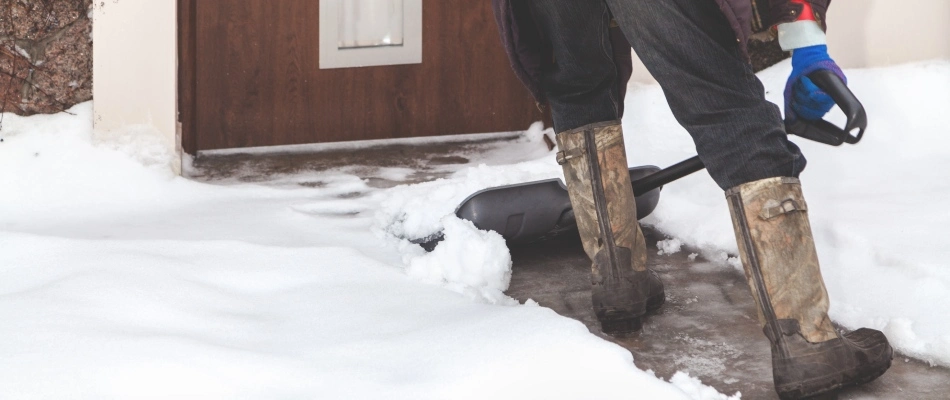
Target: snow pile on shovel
{"x": 468, "y": 261}
{"x": 416, "y": 211}
{"x": 472, "y": 262}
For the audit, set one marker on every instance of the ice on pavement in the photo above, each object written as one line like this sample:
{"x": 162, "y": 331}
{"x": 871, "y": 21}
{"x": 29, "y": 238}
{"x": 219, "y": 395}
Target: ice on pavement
{"x": 123, "y": 281}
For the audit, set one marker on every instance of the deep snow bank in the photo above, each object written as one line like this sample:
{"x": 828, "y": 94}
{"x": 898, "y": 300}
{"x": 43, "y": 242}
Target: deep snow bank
{"x": 122, "y": 281}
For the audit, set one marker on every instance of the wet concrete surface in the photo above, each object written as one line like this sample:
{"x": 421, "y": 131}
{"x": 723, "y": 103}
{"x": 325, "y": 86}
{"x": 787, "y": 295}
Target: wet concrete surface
{"x": 707, "y": 327}
{"x": 426, "y": 161}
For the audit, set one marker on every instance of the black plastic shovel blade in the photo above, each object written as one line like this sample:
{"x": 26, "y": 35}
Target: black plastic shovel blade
{"x": 534, "y": 211}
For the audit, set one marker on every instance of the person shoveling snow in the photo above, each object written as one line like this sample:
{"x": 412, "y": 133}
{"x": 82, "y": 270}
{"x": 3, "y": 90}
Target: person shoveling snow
{"x": 697, "y": 52}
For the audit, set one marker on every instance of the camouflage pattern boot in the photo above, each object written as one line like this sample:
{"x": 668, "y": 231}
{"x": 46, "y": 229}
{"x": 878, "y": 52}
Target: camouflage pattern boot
{"x": 598, "y": 182}
{"x": 777, "y": 249}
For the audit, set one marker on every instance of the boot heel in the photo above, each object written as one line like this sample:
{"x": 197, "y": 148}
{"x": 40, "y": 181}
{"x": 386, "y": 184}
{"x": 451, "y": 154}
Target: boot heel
{"x": 826, "y": 396}
{"x": 809, "y": 357}
{"x": 621, "y": 325}
{"x": 596, "y": 175}
{"x": 655, "y": 302}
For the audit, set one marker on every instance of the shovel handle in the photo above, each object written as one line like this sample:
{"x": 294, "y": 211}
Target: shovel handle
{"x": 825, "y": 132}
{"x": 666, "y": 175}
{"x": 819, "y": 131}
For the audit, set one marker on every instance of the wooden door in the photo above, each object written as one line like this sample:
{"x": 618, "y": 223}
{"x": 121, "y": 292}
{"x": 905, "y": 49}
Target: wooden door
{"x": 250, "y": 76}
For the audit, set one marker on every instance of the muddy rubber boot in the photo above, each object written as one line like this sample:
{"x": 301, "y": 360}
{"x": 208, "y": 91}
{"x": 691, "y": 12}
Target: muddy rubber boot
{"x": 809, "y": 357}
{"x": 598, "y": 182}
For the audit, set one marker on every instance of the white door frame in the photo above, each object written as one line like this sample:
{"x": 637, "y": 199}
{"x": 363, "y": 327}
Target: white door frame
{"x": 135, "y": 70}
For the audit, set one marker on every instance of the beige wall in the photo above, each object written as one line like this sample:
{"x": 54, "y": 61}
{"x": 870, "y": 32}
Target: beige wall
{"x": 876, "y": 33}
{"x": 135, "y": 69}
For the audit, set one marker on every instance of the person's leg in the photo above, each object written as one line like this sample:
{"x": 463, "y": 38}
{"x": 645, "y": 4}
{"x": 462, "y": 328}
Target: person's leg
{"x": 581, "y": 88}
{"x": 809, "y": 357}
{"x": 688, "y": 46}
{"x": 690, "y": 49}
{"x": 581, "y": 83}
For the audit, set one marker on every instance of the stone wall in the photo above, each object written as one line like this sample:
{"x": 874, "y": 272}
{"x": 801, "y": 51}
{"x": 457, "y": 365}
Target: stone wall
{"x": 45, "y": 55}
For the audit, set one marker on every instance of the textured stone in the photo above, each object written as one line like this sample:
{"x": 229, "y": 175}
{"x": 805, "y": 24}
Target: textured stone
{"x": 765, "y": 52}
{"x": 45, "y": 55}
{"x": 38, "y": 19}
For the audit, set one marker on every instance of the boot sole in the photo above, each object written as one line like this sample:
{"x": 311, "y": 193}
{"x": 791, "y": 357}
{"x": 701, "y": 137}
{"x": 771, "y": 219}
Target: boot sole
{"x": 823, "y": 387}
{"x": 654, "y": 303}
{"x": 620, "y": 325}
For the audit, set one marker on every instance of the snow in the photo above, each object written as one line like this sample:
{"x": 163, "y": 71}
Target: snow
{"x": 122, "y": 280}
{"x": 416, "y": 211}
{"x": 669, "y": 246}
{"x": 469, "y": 261}
{"x": 695, "y": 389}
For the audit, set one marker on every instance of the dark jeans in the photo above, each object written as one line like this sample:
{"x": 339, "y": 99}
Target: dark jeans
{"x": 688, "y": 46}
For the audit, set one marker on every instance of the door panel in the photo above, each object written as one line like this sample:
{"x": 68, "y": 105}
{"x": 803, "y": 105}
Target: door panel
{"x": 256, "y": 79}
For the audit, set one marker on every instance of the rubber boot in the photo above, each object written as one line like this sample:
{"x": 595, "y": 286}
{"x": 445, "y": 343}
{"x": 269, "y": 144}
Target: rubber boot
{"x": 809, "y": 357}
{"x": 598, "y": 182}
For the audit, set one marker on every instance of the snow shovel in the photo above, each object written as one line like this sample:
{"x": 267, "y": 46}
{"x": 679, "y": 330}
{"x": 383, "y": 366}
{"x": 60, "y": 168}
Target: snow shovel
{"x": 534, "y": 211}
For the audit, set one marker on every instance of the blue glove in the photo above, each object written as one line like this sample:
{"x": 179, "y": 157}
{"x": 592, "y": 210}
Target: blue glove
{"x": 802, "y": 97}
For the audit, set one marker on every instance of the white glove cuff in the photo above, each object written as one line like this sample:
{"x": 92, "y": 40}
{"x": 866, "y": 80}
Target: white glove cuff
{"x": 798, "y": 34}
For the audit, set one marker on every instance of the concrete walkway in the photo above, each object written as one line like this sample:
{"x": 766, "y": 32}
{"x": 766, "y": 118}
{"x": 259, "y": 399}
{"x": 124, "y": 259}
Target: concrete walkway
{"x": 708, "y": 325}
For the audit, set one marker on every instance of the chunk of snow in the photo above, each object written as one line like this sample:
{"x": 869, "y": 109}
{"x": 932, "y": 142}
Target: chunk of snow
{"x": 469, "y": 261}
{"x": 696, "y": 390}
{"x": 416, "y": 211}
{"x": 669, "y": 246}
{"x": 22, "y": 52}
{"x": 143, "y": 143}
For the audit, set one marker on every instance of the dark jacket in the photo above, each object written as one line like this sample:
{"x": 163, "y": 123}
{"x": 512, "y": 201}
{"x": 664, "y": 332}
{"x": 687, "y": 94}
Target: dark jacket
{"x": 529, "y": 53}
